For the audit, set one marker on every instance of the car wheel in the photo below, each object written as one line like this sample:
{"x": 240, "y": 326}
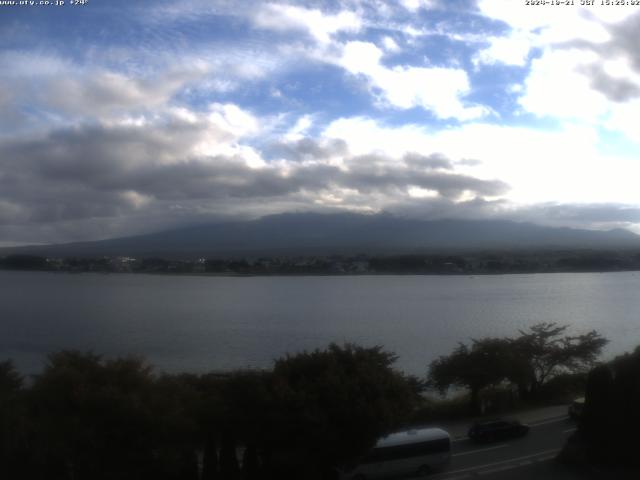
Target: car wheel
{"x": 423, "y": 470}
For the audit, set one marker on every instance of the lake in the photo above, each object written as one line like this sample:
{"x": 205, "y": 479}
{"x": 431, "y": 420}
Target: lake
{"x": 191, "y": 323}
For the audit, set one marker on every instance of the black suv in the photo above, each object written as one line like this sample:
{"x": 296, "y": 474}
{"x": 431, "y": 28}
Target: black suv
{"x": 493, "y": 430}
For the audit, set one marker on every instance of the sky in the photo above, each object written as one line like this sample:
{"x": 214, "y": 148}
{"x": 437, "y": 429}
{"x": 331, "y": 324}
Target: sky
{"x": 120, "y": 118}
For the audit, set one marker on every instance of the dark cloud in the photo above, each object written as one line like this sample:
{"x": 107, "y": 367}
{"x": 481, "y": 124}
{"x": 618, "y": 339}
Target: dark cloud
{"x": 95, "y": 172}
{"x": 100, "y": 181}
{"x": 435, "y": 160}
{"x": 615, "y": 89}
{"x": 624, "y": 40}
{"x": 623, "y": 43}
{"x": 371, "y": 173}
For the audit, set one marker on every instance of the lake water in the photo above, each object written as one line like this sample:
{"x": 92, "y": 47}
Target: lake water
{"x": 217, "y": 323}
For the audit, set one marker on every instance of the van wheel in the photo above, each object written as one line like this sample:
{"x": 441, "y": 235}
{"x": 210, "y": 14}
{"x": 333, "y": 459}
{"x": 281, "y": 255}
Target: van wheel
{"x": 424, "y": 470}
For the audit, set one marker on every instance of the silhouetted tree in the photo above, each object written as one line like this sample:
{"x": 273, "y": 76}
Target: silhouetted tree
{"x": 175, "y": 401}
{"x": 596, "y": 423}
{"x": 484, "y": 363}
{"x": 331, "y": 405}
{"x": 10, "y": 380}
{"x": 250, "y": 465}
{"x": 528, "y": 361}
{"x": 24, "y": 262}
{"x": 99, "y": 419}
{"x": 229, "y": 466}
{"x": 544, "y": 351}
{"x": 86, "y": 417}
{"x": 611, "y": 411}
{"x": 14, "y": 445}
{"x": 210, "y": 458}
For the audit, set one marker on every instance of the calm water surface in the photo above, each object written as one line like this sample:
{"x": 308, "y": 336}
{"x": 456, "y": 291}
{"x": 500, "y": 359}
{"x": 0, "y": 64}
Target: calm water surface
{"x": 216, "y": 323}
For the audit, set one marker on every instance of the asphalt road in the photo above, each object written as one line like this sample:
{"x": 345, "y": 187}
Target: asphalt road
{"x": 495, "y": 460}
{"x": 532, "y": 457}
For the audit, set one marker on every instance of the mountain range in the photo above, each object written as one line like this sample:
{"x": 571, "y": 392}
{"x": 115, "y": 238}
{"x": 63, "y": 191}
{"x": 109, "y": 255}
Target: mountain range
{"x": 343, "y": 233}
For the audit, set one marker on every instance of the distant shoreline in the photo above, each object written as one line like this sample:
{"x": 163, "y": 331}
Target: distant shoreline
{"x": 446, "y": 264}
{"x": 363, "y": 274}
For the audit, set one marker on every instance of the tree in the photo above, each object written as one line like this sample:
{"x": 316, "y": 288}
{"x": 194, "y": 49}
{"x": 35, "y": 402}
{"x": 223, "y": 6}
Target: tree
{"x": 528, "y": 361}
{"x": 105, "y": 419}
{"x": 484, "y": 363}
{"x": 543, "y": 352}
{"x": 175, "y": 400}
{"x": 331, "y": 405}
{"x": 13, "y": 422}
{"x": 10, "y": 380}
{"x": 611, "y": 412}
{"x": 24, "y": 262}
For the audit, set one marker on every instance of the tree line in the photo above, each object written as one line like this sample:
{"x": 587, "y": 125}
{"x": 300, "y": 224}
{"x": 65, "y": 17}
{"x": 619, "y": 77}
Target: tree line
{"x": 526, "y": 363}
{"x": 89, "y": 417}
{"x": 461, "y": 263}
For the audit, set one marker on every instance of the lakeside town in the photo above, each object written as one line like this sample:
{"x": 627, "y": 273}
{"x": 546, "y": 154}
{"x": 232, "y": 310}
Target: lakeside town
{"x": 468, "y": 263}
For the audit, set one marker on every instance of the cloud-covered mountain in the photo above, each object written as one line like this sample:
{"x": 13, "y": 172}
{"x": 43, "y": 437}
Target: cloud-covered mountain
{"x": 326, "y": 234}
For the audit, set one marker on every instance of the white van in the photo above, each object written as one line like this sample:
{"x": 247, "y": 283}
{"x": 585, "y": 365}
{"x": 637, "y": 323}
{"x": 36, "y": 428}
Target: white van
{"x": 410, "y": 452}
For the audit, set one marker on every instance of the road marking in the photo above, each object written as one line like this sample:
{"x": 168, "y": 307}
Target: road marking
{"x": 569, "y": 430}
{"x": 516, "y": 465}
{"x": 479, "y": 450}
{"x": 551, "y": 420}
{"x": 545, "y": 458}
{"x": 549, "y": 454}
{"x": 497, "y": 469}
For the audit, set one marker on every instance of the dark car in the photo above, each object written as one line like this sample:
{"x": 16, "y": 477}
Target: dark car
{"x": 492, "y": 430}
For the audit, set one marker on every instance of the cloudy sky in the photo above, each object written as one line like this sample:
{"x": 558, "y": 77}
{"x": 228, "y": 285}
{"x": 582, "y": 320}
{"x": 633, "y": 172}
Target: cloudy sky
{"x": 120, "y": 117}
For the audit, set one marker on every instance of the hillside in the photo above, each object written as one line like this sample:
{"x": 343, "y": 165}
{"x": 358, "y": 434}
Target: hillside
{"x": 328, "y": 234}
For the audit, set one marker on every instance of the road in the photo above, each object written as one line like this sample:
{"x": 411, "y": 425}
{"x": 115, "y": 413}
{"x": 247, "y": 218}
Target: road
{"x": 527, "y": 458}
{"x": 492, "y": 460}
{"x": 531, "y": 457}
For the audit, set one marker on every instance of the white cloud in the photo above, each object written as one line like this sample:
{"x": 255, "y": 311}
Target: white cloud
{"x": 582, "y": 85}
{"x": 585, "y": 72}
{"x": 511, "y": 50}
{"x": 555, "y": 24}
{"x": 58, "y": 91}
{"x": 298, "y": 131}
{"x": 233, "y": 119}
{"x": 414, "y": 5}
{"x": 556, "y": 87}
{"x": 390, "y": 45}
{"x": 625, "y": 118}
{"x": 535, "y": 26}
{"x": 319, "y": 25}
{"x": 540, "y": 165}
{"x": 436, "y": 89}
